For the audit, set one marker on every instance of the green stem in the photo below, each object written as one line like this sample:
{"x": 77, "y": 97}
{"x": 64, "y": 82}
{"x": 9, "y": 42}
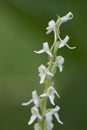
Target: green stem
{"x": 44, "y": 102}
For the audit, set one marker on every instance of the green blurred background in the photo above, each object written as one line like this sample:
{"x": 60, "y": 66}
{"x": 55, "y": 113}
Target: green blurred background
{"x": 22, "y": 30}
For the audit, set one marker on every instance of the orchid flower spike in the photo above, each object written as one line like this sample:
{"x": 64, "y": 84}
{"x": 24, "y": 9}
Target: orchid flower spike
{"x": 35, "y": 114}
{"x": 34, "y": 99}
{"x": 40, "y": 113}
{"x": 50, "y": 94}
{"x": 67, "y": 17}
{"x": 55, "y": 113}
{"x": 64, "y": 43}
{"x": 43, "y": 72}
{"x": 45, "y": 49}
{"x": 59, "y": 62}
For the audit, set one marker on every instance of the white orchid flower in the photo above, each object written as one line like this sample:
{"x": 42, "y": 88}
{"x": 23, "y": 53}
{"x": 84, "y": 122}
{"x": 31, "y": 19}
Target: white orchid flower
{"x": 67, "y": 17}
{"x": 50, "y": 94}
{"x": 64, "y": 43}
{"x": 43, "y": 72}
{"x": 55, "y": 113}
{"x": 59, "y": 62}
{"x": 45, "y": 49}
{"x": 34, "y": 99}
{"x": 35, "y": 114}
{"x": 51, "y": 27}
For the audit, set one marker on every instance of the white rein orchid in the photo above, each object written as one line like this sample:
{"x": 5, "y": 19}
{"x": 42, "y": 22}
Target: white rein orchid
{"x": 42, "y": 115}
{"x": 50, "y": 94}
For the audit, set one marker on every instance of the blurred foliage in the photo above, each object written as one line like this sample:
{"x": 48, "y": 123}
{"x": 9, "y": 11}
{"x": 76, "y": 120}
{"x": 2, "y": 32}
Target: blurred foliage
{"x": 22, "y": 30}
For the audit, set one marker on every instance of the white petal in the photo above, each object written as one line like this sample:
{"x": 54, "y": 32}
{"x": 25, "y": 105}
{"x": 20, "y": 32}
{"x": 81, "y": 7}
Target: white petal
{"x": 45, "y": 46}
{"x": 49, "y": 73}
{"x": 34, "y": 111}
{"x": 67, "y": 17}
{"x": 27, "y": 103}
{"x": 42, "y": 78}
{"x": 42, "y": 73}
{"x": 49, "y": 53}
{"x": 49, "y": 117}
{"x": 51, "y": 125}
{"x": 51, "y": 90}
{"x": 39, "y": 117}
{"x": 63, "y": 43}
{"x": 51, "y": 26}
{"x": 57, "y": 108}
{"x": 49, "y": 114}
{"x": 34, "y": 94}
{"x": 35, "y": 98}
{"x": 42, "y": 69}
{"x": 39, "y": 52}
{"x": 60, "y": 68}
{"x": 57, "y": 117}
{"x": 32, "y": 119}
{"x": 60, "y": 60}
{"x": 44, "y": 95}
{"x": 49, "y": 31}
{"x": 51, "y": 97}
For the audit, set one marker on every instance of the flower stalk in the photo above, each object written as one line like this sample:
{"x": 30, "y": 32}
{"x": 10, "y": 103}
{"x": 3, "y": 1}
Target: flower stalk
{"x": 41, "y": 114}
